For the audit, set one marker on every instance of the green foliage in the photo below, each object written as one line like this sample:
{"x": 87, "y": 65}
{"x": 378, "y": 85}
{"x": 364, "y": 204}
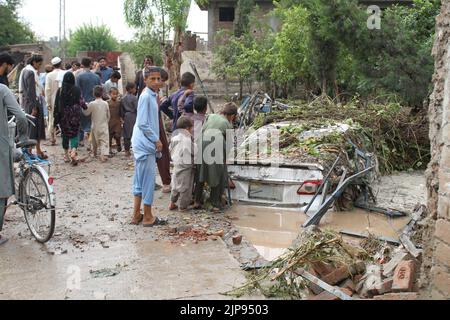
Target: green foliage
{"x": 90, "y": 37}
{"x": 289, "y": 54}
{"x": 172, "y": 14}
{"x": 243, "y": 10}
{"x": 237, "y": 59}
{"x": 12, "y": 29}
{"x": 398, "y": 58}
{"x": 143, "y": 44}
{"x": 326, "y": 46}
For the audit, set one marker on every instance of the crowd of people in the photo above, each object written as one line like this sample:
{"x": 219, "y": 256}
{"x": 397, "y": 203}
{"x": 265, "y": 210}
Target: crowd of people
{"x": 82, "y": 103}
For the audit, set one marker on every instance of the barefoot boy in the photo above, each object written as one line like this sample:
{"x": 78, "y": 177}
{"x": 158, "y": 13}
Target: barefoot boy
{"x": 115, "y": 121}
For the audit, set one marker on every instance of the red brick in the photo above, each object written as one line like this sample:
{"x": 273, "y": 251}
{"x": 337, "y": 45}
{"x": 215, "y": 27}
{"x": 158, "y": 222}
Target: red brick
{"x": 324, "y": 296}
{"x": 442, "y": 253}
{"x": 237, "y": 240}
{"x": 404, "y": 276}
{"x": 337, "y": 275}
{"x": 357, "y": 278}
{"x": 347, "y": 291}
{"x": 386, "y": 286}
{"x": 398, "y": 296}
{"x": 443, "y": 230}
{"x": 322, "y": 268}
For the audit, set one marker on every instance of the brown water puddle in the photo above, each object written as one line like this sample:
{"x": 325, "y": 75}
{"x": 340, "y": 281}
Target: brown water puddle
{"x": 272, "y": 231}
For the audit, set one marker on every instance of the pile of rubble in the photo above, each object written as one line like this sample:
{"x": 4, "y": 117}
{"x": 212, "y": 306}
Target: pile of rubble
{"x": 391, "y": 275}
{"x": 322, "y": 266}
{"x": 394, "y": 280}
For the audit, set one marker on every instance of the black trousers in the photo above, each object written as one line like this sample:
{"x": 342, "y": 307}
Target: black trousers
{"x": 3, "y": 203}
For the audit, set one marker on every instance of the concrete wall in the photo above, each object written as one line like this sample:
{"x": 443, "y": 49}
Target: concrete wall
{"x": 436, "y": 265}
{"x": 215, "y": 25}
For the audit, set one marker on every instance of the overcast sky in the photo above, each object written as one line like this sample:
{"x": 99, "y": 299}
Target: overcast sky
{"x": 43, "y": 16}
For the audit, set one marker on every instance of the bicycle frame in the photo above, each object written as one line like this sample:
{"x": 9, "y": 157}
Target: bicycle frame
{"x": 31, "y": 161}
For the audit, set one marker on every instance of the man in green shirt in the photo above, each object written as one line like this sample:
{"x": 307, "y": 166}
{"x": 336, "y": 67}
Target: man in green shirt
{"x": 213, "y": 163}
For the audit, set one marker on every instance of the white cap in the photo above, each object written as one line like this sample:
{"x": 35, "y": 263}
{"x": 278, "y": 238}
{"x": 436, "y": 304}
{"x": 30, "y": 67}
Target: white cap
{"x": 56, "y": 61}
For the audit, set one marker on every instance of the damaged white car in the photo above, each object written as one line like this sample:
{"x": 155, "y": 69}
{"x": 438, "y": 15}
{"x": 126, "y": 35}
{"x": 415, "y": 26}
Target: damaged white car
{"x": 284, "y": 164}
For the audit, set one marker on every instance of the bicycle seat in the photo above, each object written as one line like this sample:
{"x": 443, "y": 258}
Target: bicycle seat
{"x": 26, "y": 144}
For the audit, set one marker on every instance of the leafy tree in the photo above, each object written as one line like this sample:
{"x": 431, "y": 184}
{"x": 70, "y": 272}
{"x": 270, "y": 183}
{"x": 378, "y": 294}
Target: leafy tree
{"x": 12, "y": 29}
{"x": 243, "y": 11}
{"x": 344, "y": 53}
{"x": 90, "y": 37}
{"x": 144, "y": 44}
{"x": 142, "y": 14}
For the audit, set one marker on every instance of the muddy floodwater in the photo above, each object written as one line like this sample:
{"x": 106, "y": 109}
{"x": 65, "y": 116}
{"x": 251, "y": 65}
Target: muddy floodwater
{"x": 272, "y": 230}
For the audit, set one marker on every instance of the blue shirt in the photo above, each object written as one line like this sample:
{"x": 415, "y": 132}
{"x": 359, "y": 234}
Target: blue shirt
{"x": 106, "y": 73}
{"x": 146, "y": 129}
{"x": 87, "y": 81}
{"x": 175, "y": 114}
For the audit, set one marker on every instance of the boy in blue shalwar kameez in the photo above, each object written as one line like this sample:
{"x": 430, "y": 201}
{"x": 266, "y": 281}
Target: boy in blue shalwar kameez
{"x": 146, "y": 143}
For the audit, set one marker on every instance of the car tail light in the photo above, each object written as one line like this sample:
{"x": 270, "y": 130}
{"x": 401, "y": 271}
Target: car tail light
{"x": 232, "y": 185}
{"x": 50, "y": 181}
{"x": 309, "y": 187}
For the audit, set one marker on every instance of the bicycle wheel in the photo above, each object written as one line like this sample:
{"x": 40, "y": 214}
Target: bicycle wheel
{"x": 39, "y": 213}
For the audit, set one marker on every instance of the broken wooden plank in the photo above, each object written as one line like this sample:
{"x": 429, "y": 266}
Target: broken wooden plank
{"x": 325, "y": 286}
{"x": 365, "y": 236}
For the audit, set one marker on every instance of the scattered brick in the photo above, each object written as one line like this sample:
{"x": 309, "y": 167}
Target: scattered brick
{"x": 404, "y": 277}
{"x": 337, "y": 275}
{"x": 386, "y": 286}
{"x": 237, "y": 240}
{"x": 322, "y": 268}
{"x": 389, "y": 267}
{"x": 347, "y": 291}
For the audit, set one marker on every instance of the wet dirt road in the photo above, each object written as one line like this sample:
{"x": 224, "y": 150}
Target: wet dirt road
{"x": 95, "y": 254}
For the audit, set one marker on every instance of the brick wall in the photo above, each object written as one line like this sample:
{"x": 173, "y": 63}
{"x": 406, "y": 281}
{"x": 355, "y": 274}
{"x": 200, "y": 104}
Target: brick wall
{"x": 435, "y": 277}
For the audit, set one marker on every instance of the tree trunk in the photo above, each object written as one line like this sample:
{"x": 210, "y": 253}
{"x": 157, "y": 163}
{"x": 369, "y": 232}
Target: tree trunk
{"x": 241, "y": 88}
{"x": 172, "y": 59}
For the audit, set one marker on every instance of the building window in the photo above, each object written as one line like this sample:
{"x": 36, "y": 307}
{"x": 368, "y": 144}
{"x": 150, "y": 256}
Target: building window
{"x": 226, "y": 14}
